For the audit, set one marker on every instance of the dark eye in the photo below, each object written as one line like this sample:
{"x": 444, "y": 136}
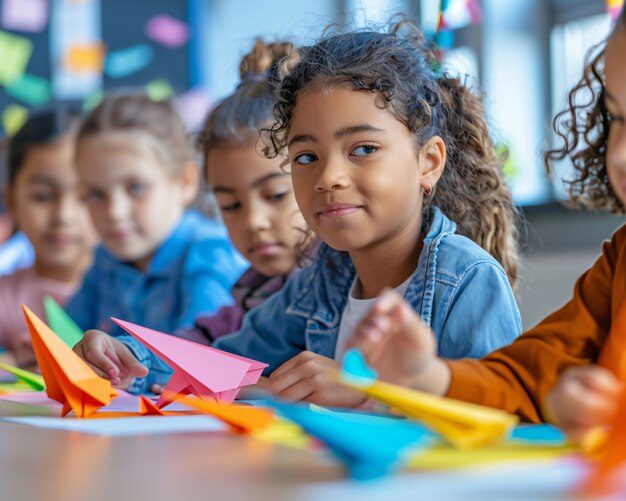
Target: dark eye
{"x": 43, "y": 196}
{"x": 137, "y": 188}
{"x": 305, "y": 159}
{"x": 364, "y": 150}
{"x": 94, "y": 196}
{"x": 230, "y": 207}
{"x": 278, "y": 196}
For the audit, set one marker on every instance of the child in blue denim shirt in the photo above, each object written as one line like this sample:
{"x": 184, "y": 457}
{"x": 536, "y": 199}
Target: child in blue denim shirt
{"x": 159, "y": 264}
{"x": 368, "y": 129}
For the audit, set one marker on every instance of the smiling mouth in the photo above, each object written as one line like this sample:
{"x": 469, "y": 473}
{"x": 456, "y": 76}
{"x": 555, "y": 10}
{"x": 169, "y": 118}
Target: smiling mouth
{"x": 338, "y": 210}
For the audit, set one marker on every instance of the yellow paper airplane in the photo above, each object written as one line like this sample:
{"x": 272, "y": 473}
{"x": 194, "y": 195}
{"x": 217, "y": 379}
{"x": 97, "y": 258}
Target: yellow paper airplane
{"x": 462, "y": 424}
{"x": 68, "y": 378}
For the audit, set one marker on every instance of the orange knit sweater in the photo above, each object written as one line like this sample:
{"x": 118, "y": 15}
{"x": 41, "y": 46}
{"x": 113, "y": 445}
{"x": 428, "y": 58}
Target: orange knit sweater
{"x": 517, "y": 378}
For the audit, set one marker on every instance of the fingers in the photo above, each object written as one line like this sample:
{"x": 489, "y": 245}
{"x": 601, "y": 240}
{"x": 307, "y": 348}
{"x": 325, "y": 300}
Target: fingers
{"x": 157, "y": 389}
{"x": 99, "y": 363}
{"x": 298, "y": 378}
{"x": 584, "y": 398}
{"x": 128, "y": 360}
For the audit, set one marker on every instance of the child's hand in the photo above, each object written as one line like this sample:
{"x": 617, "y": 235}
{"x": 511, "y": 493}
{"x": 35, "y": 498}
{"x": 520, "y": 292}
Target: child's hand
{"x": 400, "y": 347}
{"x": 583, "y": 398}
{"x": 110, "y": 358}
{"x": 24, "y": 355}
{"x": 309, "y": 377}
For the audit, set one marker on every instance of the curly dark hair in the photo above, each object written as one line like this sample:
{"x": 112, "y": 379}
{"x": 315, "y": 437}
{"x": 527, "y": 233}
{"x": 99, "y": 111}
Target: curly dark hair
{"x": 397, "y": 67}
{"x": 583, "y": 129}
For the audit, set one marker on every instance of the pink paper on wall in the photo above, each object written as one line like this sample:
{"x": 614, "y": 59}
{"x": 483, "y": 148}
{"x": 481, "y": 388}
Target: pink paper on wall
{"x": 25, "y": 15}
{"x": 167, "y": 31}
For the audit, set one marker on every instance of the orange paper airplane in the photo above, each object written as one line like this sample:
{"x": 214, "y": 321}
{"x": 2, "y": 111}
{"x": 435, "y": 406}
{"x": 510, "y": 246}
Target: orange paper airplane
{"x": 68, "y": 378}
{"x": 244, "y": 419}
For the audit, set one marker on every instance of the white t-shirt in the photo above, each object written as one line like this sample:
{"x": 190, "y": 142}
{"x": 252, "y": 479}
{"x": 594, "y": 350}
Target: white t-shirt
{"x": 354, "y": 312}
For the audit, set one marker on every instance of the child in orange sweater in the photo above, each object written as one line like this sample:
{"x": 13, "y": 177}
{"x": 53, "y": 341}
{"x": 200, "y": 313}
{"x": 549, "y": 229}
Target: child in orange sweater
{"x": 569, "y": 369}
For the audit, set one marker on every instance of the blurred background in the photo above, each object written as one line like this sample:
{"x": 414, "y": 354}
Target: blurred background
{"x": 523, "y": 54}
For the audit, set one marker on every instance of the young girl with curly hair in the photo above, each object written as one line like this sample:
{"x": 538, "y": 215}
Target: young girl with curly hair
{"x": 568, "y": 368}
{"x": 394, "y": 171}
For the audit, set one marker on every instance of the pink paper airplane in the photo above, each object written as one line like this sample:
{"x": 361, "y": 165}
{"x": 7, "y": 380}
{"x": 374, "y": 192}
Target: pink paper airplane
{"x": 200, "y": 370}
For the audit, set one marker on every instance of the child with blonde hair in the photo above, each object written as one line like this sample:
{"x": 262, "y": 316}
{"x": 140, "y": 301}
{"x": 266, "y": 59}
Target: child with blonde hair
{"x": 159, "y": 265}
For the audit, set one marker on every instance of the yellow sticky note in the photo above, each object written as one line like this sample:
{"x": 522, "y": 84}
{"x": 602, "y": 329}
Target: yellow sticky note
{"x": 13, "y": 117}
{"x": 15, "y": 52}
{"x": 85, "y": 58}
{"x": 159, "y": 89}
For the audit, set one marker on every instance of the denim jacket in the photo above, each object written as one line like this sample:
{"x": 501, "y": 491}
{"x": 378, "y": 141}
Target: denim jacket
{"x": 458, "y": 289}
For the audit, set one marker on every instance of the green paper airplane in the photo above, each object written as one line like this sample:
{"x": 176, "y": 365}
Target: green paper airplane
{"x": 25, "y": 379}
{"x": 61, "y": 323}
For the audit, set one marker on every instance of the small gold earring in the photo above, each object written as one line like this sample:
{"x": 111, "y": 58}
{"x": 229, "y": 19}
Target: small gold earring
{"x": 429, "y": 190}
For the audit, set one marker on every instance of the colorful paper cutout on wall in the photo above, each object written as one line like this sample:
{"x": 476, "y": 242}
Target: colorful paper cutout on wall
{"x": 167, "y": 31}
{"x": 85, "y": 58}
{"x": 159, "y": 89}
{"x": 124, "y": 62}
{"x": 15, "y": 52}
{"x": 25, "y": 15}
{"x": 31, "y": 89}
{"x": 13, "y": 117}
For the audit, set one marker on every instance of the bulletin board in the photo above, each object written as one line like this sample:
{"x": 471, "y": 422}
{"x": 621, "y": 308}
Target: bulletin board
{"x": 133, "y": 44}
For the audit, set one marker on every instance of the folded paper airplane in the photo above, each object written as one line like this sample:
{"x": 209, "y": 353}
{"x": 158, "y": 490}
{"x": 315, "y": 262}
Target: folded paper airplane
{"x": 369, "y": 446}
{"x": 462, "y": 424}
{"x": 68, "y": 378}
{"x": 243, "y": 418}
{"x": 25, "y": 379}
{"x": 199, "y": 370}
{"x": 61, "y": 323}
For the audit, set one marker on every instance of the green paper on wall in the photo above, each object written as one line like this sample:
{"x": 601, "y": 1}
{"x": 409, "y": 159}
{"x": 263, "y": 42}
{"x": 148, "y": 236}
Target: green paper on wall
{"x": 24, "y": 378}
{"x": 61, "y": 323}
{"x": 159, "y": 89}
{"x": 30, "y": 89}
{"x": 15, "y": 52}
{"x": 13, "y": 117}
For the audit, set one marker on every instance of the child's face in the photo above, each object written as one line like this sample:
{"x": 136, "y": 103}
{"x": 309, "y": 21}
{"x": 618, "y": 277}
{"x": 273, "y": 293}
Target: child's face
{"x": 355, "y": 169}
{"x": 615, "y": 69}
{"x": 46, "y": 205}
{"x": 258, "y": 206}
{"x": 134, "y": 201}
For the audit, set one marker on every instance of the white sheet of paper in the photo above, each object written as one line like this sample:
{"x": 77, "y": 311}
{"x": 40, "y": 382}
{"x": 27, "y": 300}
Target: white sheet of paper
{"x": 524, "y": 481}
{"x": 125, "y": 426}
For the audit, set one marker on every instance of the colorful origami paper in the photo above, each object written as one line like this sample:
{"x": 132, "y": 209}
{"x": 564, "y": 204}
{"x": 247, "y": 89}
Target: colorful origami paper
{"x": 26, "y": 378}
{"x": 462, "y": 424}
{"x": 369, "y": 446}
{"x": 61, "y": 323}
{"x": 200, "y": 370}
{"x": 242, "y": 418}
{"x": 68, "y": 378}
